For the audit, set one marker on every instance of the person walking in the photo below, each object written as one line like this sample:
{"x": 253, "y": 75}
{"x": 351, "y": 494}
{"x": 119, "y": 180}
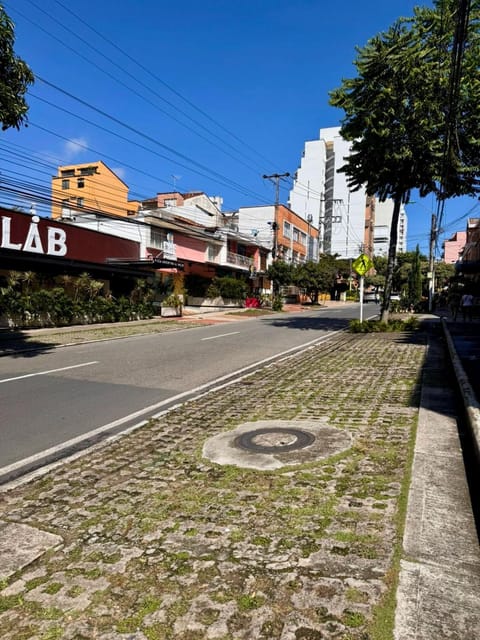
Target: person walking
{"x": 454, "y": 304}
{"x": 466, "y": 304}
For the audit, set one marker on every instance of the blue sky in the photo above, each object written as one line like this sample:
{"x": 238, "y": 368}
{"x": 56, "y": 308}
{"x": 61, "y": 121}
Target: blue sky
{"x": 206, "y": 96}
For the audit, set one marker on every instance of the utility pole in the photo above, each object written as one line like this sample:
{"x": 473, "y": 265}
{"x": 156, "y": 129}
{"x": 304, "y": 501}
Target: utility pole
{"x": 275, "y": 178}
{"x": 431, "y": 262}
{"x": 323, "y": 217}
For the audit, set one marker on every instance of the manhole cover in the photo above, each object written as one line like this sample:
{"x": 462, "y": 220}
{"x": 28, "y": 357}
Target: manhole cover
{"x": 274, "y": 440}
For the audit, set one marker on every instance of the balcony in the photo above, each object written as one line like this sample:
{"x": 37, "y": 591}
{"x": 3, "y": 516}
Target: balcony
{"x": 168, "y": 249}
{"x": 238, "y": 260}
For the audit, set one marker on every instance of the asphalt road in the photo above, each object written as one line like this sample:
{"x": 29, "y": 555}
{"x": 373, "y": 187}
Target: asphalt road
{"x": 65, "y": 394}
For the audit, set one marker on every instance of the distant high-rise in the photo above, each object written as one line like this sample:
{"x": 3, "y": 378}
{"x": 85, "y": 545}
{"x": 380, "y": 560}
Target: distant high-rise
{"x": 321, "y": 191}
{"x": 382, "y": 226}
{"x": 346, "y": 219}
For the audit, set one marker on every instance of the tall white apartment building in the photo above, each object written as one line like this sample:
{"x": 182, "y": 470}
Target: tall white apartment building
{"x": 383, "y": 225}
{"x": 321, "y": 191}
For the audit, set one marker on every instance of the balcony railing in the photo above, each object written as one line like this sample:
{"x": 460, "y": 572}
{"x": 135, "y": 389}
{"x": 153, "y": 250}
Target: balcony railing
{"x": 238, "y": 260}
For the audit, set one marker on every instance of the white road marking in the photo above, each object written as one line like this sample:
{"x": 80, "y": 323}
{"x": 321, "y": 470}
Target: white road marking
{"x": 45, "y": 373}
{"x": 222, "y": 335}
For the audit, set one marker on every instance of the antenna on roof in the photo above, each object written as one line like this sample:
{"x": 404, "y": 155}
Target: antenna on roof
{"x": 175, "y": 178}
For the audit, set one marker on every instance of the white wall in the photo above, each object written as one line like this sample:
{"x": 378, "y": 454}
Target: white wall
{"x": 119, "y": 228}
{"x": 307, "y": 191}
{"x": 254, "y": 222}
{"x": 383, "y": 224}
{"x": 347, "y": 224}
{"x": 319, "y": 190}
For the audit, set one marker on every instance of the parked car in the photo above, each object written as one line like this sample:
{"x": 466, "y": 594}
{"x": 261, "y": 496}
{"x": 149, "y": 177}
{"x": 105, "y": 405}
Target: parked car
{"x": 371, "y": 296}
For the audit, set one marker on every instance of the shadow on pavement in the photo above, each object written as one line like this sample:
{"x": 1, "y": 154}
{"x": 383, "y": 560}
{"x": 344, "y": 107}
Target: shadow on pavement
{"x": 307, "y": 324}
{"x": 16, "y": 343}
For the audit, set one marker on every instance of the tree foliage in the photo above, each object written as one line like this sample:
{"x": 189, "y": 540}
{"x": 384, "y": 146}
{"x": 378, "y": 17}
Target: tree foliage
{"x": 280, "y": 273}
{"x": 313, "y": 277}
{"x": 15, "y": 76}
{"x": 444, "y": 272}
{"x": 411, "y": 126}
{"x": 414, "y": 282}
{"x": 316, "y": 277}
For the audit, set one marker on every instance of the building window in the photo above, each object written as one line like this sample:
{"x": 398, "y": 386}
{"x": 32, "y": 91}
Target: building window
{"x": 170, "y": 202}
{"x": 295, "y": 235}
{"x": 88, "y": 171}
{"x": 303, "y": 238}
{"x": 287, "y": 229}
{"x": 157, "y": 238}
{"x": 80, "y": 202}
{"x": 80, "y": 183}
{"x": 67, "y": 173}
{"x": 65, "y": 184}
{"x": 211, "y": 253}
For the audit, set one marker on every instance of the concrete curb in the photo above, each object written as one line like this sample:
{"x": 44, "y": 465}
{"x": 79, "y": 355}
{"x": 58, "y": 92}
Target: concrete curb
{"x": 470, "y": 401}
{"x": 438, "y": 595}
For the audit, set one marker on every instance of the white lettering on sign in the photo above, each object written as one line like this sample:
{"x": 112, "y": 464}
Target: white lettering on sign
{"x": 56, "y": 238}
{"x": 57, "y": 242}
{"x": 6, "y": 244}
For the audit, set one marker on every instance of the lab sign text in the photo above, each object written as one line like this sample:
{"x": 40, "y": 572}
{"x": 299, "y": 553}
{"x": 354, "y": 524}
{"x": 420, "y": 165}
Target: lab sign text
{"x": 54, "y": 244}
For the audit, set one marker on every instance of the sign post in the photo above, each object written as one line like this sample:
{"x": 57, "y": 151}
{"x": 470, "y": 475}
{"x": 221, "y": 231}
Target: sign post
{"x": 361, "y": 298}
{"x": 361, "y": 265}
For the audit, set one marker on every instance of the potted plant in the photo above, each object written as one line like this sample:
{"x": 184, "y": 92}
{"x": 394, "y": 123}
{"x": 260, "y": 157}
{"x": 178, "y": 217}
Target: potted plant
{"x": 171, "y": 306}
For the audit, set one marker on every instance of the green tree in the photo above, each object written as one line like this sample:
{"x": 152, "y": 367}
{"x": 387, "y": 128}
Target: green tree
{"x": 402, "y": 115}
{"x": 443, "y": 274}
{"x": 414, "y": 290}
{"x": 281, "y": 274}
{"x": 316, "y": 277}
{"x": 15, "y": 76}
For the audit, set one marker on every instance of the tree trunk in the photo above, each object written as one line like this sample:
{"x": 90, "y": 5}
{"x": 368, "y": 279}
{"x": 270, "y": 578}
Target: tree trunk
{"x": 392, "y": 255}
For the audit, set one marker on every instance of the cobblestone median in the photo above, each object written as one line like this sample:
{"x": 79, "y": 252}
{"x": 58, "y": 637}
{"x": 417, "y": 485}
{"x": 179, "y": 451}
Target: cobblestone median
{"x": 162, "y": 544}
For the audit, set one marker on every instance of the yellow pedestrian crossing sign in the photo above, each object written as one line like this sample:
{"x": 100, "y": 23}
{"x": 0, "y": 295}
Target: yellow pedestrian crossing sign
{"x": 362, "y": 264}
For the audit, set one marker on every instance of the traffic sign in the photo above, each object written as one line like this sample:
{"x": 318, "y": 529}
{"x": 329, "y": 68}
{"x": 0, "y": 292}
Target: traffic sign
{"x": 362, "y": 264}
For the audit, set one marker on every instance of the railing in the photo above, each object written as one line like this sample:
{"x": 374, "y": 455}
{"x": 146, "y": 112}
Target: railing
{"x": 240, "y": 261}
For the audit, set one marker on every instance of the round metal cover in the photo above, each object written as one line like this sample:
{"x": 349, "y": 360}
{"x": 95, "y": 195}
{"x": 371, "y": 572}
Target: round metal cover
{"x": 274, "y": 440}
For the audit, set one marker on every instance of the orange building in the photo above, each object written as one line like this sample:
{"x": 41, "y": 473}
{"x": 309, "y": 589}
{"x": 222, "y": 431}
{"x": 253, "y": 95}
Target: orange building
{"x": 90, "y": 187}
{"x": 289, "y": 236}
{"x": 295, "y": 237}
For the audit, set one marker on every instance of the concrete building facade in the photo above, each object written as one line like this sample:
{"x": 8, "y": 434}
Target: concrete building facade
{"x": 453, "y": 248}
{"x": 349, "y": 222}
{"x": 289, "y": 236}
{"x": 383, "y": 225}
{"x": 321, "y": 191}
{"x": 90, "y": 187}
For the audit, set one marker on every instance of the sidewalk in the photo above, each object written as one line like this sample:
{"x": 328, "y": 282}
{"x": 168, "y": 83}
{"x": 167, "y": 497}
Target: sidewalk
{"x": 147, "y": 538}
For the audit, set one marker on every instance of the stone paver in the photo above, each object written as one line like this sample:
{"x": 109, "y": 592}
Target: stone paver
{"x": 161, "y": 543}
{"x": 20, "y": 545}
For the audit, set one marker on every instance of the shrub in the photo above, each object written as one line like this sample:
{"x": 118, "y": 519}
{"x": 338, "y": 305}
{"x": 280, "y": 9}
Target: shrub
{"x": 62, "y": 308}
{"x": 172, "y": 301}
{"x": 227, "y": 287}
{"x": 375, "y": 326}
{"x": 277, "y": 303}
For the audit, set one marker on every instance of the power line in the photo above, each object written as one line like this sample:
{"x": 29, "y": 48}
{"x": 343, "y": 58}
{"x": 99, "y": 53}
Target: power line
{"x": 275, "y": 178}
{"x": 138, "y": 81}
{"x": 209, "y": 173}
{"x": 162, "y": 82}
